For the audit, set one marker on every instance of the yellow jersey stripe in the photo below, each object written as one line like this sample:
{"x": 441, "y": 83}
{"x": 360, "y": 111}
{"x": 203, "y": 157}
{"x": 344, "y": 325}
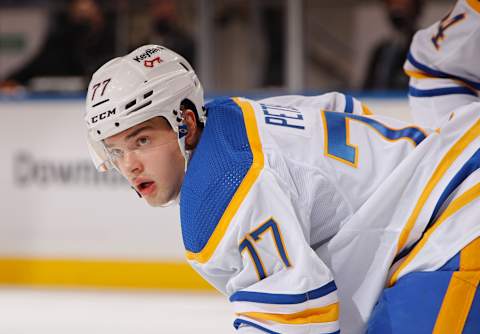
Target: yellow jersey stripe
{"x": 315, "y": 315}
{"x": 474, "y": 4}
{"x": 461, "y": 292}
{"x": 470, "y": 256}
{"x": 242, "y": 191}
{"x": 469, "y": 196}
{"x": 447, "y": 161}
{"x": 419, "y": 75}
{"x": 457, "y": 302}
{"x": 366, "y": 110}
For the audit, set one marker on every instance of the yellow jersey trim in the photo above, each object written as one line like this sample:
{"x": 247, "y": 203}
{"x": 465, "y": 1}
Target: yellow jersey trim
{"x": 419, "y": 75}
{"x": 366, "y": 110}
{"x": 101, "y": 273}
{"x": 470, "y": 256}
{"x": 457, "y": 302}
{"x": 457, "y": 204}
{"x": 461, "y": 292}
{"x": 257, "y": 165}
{"x": 441, "y": 169}
{"x": 315, "y": 315}
{"x": 474, "y": 4}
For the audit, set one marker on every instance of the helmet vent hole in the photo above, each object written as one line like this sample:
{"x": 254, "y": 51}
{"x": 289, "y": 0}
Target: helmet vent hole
{"x": 98, "y": 132}
{"x": 184, "y": 66}
{"x": 130, "y": 104}
{"x": 117, "y": 124}
{"x": 140, "y": 107}
{"x": 148, "y": 94}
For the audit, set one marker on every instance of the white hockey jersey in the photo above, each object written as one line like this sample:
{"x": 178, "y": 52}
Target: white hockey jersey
{"x": 272, "y": 181}
{"x": 443, "y": 65}
{"x": 421, "y": 216}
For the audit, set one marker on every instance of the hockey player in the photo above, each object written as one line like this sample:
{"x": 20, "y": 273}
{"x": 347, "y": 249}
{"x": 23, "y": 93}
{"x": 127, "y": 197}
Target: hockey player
{"x": 290, "y": 206}
{"x": 443, "y": 65}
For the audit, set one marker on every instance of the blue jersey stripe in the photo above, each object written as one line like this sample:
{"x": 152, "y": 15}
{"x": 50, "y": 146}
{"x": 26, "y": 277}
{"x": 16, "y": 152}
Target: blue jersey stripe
{"x": 467, "y": 169}
{"x": 436, "y": 73}
{"x": 411, "y": 132}
{"x": 274, "y": 298}
{"x": 348, "y": 104}
{"x": 415, "y": 92}
{"x": 239, "y": 322}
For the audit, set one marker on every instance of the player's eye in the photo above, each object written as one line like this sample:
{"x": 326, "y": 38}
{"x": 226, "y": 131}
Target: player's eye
{"x": 142, "y": 141}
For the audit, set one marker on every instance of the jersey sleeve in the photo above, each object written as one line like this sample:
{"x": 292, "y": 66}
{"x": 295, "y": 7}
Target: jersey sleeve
{"x": 264, "y": 264}
{"x": 332, "y": 101}
{"x": 442, "y": 65}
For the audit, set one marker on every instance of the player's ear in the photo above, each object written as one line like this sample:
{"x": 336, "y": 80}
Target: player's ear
{"x": 193, "y": 134}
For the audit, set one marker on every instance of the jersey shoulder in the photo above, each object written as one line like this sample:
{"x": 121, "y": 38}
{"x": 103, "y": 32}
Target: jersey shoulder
{"x": 447, "y": 49}
{"x": 218, "y": 166}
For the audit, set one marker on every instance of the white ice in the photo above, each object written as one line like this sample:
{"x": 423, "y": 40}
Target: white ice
{"x": 42, "y": 311}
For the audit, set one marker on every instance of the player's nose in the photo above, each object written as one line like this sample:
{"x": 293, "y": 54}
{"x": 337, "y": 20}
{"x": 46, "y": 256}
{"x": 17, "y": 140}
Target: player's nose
{"x": 132, "y": 163}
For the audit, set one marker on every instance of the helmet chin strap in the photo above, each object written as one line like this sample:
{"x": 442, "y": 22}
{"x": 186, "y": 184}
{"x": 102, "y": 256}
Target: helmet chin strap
{"x": 139, "y": 195}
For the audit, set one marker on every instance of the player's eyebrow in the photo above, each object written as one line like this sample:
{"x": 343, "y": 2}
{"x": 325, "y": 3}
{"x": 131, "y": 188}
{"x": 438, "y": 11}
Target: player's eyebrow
{"x": 137, "y": 131}
{"x": 132, "y": 134}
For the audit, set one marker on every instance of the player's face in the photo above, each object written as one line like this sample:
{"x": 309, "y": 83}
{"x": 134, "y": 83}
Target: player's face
{"x": 149, "y": 157}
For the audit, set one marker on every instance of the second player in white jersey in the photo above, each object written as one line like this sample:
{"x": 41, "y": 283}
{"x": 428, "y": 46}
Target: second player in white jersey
{"x": 443, "y": 65}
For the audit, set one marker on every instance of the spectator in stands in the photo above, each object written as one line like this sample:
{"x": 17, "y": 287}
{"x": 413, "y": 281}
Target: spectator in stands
{"x": 385, "y": 69}
{"x": 166, "y": 30}
{"x": 79, "y": 40}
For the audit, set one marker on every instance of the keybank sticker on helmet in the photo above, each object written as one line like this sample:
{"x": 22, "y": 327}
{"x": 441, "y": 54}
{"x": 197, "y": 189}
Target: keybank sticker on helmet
{"x": 147, "y": 54}
{"x": 151, "y": 63}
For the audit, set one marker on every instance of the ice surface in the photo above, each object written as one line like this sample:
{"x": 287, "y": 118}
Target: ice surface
{"x": 41, "y": 311}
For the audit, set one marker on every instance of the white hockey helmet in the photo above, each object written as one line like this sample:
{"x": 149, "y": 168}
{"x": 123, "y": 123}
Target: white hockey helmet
{"x": 148, "y": 82}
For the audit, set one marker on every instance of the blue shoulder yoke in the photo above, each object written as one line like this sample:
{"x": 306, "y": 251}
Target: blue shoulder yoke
{"x": 219, "y": 164}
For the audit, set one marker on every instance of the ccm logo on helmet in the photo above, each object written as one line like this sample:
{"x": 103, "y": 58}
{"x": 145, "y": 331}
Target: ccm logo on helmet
{"x": 148, "y": 53}
{"x": 103, "y": 115}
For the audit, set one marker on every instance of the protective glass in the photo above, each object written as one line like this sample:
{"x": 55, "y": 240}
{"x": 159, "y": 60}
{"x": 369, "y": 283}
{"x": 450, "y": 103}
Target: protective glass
{"x": 141, "y": 142}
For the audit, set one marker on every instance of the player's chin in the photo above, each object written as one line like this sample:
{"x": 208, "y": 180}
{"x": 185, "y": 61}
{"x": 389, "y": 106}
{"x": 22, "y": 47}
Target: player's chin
{"x": 155, "y": 204}
{"x": 158, "y": 200}
{"x": 153, "y": 201}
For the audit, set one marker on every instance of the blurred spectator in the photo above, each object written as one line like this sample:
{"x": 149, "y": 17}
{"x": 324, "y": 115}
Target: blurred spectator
{"x": 385, "y": 69}
{"x": 273, "y": 18}
{"x": 79, "y": 40}
{"x": 166, "y": 30}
